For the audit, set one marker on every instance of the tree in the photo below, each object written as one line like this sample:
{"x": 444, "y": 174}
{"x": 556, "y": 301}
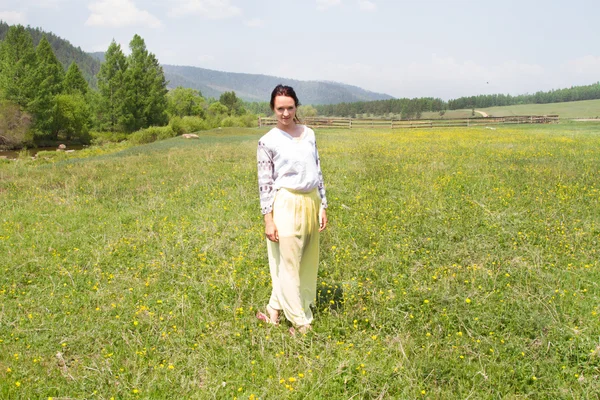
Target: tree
{"x": 111, "y": 84}
{"x": 185, "y": 101}
{"x": 156, "y": 108}
{"x": 217, "y": 109}
{"x": 233, "y": 103}
{"x": 48, "y": 77}
{"x": 17, "y": 65}
{"x": 73, "y": 116}
{"x": 307, "y": 111}
{"x": 74, "y": 81}
{"x": 145, "y": 89}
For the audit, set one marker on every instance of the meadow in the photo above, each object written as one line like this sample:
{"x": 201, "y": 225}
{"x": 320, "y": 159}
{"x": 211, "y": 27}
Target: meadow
{"x": 458, "y": 263}
{"x": 566, "y": 110}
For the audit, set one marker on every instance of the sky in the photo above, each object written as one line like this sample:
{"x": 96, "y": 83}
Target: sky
{"x": 425, "y": 48}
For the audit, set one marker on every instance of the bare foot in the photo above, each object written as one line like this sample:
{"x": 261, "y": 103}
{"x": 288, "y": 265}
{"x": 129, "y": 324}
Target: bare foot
{"x": 273, "y": 314}
{"x": 303, "y": 329}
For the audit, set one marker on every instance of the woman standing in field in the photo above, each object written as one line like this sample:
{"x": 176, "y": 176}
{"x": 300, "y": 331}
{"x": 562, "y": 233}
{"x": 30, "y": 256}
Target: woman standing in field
{"x": 292, "y": 199}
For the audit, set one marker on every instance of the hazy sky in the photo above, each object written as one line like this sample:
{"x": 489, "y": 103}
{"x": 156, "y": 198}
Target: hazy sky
{"x": 403, "y": 48}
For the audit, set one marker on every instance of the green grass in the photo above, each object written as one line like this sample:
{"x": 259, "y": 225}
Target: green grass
{"x": 573, "y": 109}
{"x": 468, "y": 260}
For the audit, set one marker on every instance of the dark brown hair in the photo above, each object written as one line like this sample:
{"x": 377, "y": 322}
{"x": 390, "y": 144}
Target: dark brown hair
{"x": 288, "y": 91}
{"x": 281, "y": 90}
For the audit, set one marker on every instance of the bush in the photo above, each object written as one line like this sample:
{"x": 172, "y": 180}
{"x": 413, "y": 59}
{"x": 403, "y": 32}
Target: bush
{"x": 193, "y": 124}
{"x": 176, "y": 125}
{"x": 231, "y": 122}
{"x": 152, "y": 134}
{"x": 14, "y": 125}
{"x": 187, "y": 125}
{"x": 243, "y": 121}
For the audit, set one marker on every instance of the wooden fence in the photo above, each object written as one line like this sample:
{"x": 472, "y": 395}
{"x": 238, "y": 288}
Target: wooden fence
{"x": 349, "y": 123}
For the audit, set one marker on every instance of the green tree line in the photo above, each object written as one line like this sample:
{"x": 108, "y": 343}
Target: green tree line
{"x": 41, "y": 103}
{"x": 574, "y": 93}
{"x": 405, "y": 108}
{"x": 413, "y": 108}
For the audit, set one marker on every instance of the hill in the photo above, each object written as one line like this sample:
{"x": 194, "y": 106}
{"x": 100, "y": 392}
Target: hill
{"x": 256, "y": 87}
{"x": 64, "y": 51}
{"x": 571, "y": 109}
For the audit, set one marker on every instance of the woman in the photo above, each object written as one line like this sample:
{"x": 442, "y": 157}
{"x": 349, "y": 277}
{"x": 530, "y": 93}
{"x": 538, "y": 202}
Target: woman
{"x": 292, "y": 199}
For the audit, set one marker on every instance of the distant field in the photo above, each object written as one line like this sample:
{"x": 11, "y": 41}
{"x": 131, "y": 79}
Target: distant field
{"x": 468, "y": 259}
{"x": 573, "y": 109}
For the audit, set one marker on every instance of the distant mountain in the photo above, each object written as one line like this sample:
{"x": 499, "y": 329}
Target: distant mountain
{"x": 250, "y": 87}
{"x": 254, "y": 87}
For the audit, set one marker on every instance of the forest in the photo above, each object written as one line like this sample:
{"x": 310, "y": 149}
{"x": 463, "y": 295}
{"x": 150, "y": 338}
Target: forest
{"x": 413, "y": 108}
{"x": 43, "y": 101}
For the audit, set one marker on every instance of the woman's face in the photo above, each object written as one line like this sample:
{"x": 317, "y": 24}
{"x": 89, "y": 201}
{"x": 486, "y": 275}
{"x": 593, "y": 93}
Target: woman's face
{"x": 285, "y": 110}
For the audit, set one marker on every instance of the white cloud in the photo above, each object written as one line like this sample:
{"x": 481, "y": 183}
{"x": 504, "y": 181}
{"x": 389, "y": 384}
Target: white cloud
{"x": 13, "y": 17}
{"x": 117, "y": 13}
{"x": 367, "y": 5}
{"x": 325, "y": 4}
{"x": 209, "y": 9}
{"x": 587, "y": 65}
{"x": 254, "y": 23}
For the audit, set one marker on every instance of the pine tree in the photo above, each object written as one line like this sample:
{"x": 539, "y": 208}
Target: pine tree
{"x": 136, "y": 84}
{"x": 111, "y": 84}
{"x": 156, "y": 108}
{"x": 74, "y": 81}
{"x": 17, "y": 65}
{"x": 145, "y": 98}
{"x": 48, "y": 77}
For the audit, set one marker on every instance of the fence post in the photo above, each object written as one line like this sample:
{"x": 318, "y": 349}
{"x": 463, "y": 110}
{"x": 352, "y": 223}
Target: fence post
{"x": 350, "y": 121}
{"x": 259, "y": 122}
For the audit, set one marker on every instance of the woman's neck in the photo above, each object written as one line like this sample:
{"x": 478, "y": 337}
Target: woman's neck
{"x": 292, "y": 129}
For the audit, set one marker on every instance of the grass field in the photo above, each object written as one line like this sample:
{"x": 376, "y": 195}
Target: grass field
{"x": 468, "y": 261}
{"x": 573, "y": 109}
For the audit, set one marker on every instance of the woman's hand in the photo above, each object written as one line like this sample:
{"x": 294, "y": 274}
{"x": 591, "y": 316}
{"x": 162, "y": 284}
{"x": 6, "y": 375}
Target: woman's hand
{"x": 322, "y": 220}
{"x": 270, "y": 228}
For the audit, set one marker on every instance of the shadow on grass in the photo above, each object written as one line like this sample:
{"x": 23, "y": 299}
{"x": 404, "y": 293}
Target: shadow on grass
{"x": 330, "y": 297}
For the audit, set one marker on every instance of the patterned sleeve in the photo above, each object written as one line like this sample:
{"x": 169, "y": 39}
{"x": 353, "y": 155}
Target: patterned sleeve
{"x": 266, "y": 172}
{"x": 321, "y": 184}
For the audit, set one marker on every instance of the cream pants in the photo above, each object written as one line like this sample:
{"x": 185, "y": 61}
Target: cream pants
{"x": 293, "y": 261}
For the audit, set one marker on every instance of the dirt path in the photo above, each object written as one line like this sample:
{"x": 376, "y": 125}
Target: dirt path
{"x": 483, "y": 114}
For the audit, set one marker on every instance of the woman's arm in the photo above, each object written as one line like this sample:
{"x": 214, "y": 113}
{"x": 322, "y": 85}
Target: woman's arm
{"x": 266, "y": 172}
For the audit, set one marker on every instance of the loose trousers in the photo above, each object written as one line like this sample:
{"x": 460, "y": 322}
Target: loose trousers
{"x": 293, "y": 262}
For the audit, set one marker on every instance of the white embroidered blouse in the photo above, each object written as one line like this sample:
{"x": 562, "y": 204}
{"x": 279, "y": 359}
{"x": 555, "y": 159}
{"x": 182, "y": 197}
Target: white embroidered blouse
{"x": 288, "y": 162}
